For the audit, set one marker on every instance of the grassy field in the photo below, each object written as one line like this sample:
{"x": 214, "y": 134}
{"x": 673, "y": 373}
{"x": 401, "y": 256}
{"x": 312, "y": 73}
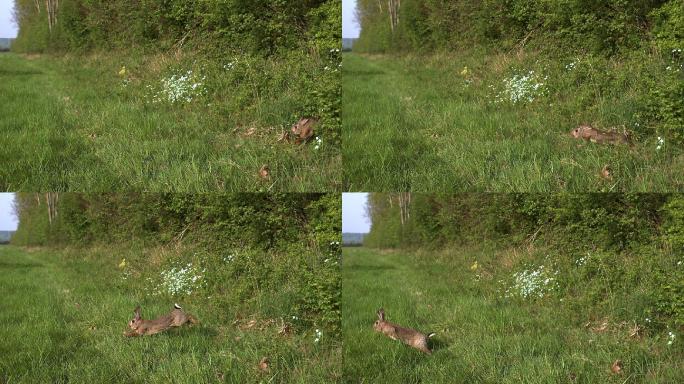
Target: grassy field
{"x": 64, "y": 315}
{"x": 80, "y": 124}
{"x": 481, "y": 337}
{"x": 429, "y": 124}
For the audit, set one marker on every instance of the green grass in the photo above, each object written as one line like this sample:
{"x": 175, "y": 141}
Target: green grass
{"x": 481, "y": 337}
{"x": 69, "y": 123}
{"x": 412, "y": 123}
{"x": 64, "y": 315}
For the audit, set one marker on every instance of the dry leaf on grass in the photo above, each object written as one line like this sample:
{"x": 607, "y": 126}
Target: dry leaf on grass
{"x": 263, "y": 364}
{"x": 264, "y": 172}
{"x": 606, "y": 173}
{"x": 616, "y": 367}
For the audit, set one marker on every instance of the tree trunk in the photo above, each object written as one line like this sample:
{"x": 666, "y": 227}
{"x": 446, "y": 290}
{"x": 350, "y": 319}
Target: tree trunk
{"x": 404, "y": 203}
{"x": 393, "y": 7}
{"x": 51, "y": 199}
{"x": 51, "y": 6}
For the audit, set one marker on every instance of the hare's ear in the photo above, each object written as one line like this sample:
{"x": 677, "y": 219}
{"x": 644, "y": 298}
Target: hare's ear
{"x": 381, "y": 314}
{"x": 137, "y": 312}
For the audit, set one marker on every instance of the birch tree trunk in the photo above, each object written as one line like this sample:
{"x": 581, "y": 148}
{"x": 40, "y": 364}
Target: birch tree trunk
{"x": 51, "y": 199}
{"x": 51, "y": 6}
{"x": 393, "y": 7}
{"x": 404, "y": 203}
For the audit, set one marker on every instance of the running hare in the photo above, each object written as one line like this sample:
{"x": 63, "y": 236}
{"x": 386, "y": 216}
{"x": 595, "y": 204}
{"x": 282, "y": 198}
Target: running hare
{"x": 141, "y": 327}
{"x": 303, "y": 130}
{"x": 408, "y": 336}
{"x": 589, "y": 133}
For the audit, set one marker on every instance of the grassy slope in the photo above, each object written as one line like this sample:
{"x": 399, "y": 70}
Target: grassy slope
{"x": 412, "y": 125}
{"x": 480, "y": 339}
{"x": 70, "y": 125}
{"x": 63, "y": 322}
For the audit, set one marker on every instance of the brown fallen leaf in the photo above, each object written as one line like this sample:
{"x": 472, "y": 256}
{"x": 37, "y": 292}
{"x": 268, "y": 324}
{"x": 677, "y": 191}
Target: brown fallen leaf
{"x": 602, "y": 327}
{"x": 284, "y": 137}
{"x": 250, "y": 131}
{"x": 264, "y": 172}
{"x": 263, "y": 364}
{"x": 606, "y": 173}
{"x": 616, "y": 368}
{"x": 250, "y": 324}
{"x": 285, "y": 329}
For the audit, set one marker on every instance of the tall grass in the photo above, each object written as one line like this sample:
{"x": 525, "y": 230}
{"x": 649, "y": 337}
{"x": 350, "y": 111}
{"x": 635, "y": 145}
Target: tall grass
{"x": 434, "y": 124}
{"x": 64, "y": 314}
{"x": 85, "y": 124}
{"x": 484, "y": 337}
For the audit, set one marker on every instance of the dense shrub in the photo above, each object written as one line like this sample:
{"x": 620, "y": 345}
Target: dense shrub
{"x": 606, "y": 26}
{"x": 255, "y": 26}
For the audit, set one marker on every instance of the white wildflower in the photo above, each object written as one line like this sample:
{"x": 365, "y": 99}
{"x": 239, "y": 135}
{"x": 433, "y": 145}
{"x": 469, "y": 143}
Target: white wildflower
{"x": 522, "y": 88}
{"x": 181, "y": 281}
{"x": 533, "y": 283}
{"x": 180, "y": 88}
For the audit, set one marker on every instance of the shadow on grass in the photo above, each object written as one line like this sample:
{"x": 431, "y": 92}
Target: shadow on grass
{"x": 370, "y": 268}
{"x": 363, "y": 72}
{"x": 19, "y": 72}
{"x": 11, "y": 265}
{"x": 436, "y": 344}
{"x": 180, "y": 332}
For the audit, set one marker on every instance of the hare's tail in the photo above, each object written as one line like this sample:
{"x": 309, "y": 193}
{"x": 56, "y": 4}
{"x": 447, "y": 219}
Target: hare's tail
{"x": 429, "y": 335}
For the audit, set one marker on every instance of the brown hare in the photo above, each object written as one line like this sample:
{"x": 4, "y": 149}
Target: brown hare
{"x": 589, "y": 133}
{"x": 408, "y": 336}
{"x": 303, "y": 129}
{"x": 141, "y": 327}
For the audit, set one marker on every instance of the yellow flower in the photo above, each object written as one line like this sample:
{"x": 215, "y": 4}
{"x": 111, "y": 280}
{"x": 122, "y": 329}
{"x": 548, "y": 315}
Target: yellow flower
{"x": 465, "y": 71}
{"x": 474, "y": 266}
{"x": 122, "y": 264}
{"x": 122, "y": 72}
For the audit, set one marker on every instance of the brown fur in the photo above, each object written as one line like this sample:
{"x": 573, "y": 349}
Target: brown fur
{"x": 141, "y": 327}
{"x": 303, "y": 130}
{"x": 589, "y": 133}
{"x": 408, "y": 336}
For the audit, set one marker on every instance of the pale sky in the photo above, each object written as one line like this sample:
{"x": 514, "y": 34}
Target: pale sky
{"x": 354, "y": 218}
{"x": 7, "y": 27}
{"x": 349, "y": 26}
{"x": 8, "y": 222}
